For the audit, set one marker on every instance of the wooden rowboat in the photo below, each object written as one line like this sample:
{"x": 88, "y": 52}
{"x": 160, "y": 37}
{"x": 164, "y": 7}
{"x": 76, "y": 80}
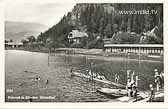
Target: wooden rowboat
{"x": 113, "y": 92}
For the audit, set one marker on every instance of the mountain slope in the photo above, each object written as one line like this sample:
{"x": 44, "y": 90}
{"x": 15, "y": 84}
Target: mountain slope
{"x": 18, "y": 30}
{"x": 106, "y": 20}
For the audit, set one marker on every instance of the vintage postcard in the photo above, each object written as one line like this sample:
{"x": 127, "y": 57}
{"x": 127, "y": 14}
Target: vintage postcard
{"x": 84, "y": 52}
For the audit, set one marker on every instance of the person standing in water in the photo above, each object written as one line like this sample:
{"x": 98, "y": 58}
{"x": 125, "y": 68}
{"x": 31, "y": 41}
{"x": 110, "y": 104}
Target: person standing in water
{"x": 128, "y": 74}
{"x": 152, "y": 93}
{"x": 71, "y": 72}
{"x": 129, "y": 87}
{"x": 90, "y": 72}
{"x": 157, "y": 80}
{"x": 132, "y": 76}
{"x": 162, "y": 79}
{"x": 117, "y": 77}
{"x": 134, "y": 90}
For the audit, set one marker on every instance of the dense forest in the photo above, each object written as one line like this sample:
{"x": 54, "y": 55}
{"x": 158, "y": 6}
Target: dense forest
{"x": 107, "y": 21}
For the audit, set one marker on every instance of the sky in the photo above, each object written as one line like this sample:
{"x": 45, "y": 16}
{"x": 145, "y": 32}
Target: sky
{"x": 47, "y": 13}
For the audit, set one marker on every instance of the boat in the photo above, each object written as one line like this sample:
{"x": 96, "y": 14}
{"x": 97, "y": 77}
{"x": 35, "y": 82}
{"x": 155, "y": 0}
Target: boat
{"x": 121, "y": 95}
{"x": 98, "y": 80}
{"x": 154, "y": 56}
{"x": 142, "y": 97}
{"x": 130, "y": 99}
{"x": 159, "y": 97}
{"x": 113, "y": 92}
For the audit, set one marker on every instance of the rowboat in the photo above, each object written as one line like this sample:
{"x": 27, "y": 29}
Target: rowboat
{"x": 159, "y": 97}
{"x": 121, "y": 95}
{"x": 113, "y": 92}
{"x": 130, "y": 99}
{"x": 98, "y": 80}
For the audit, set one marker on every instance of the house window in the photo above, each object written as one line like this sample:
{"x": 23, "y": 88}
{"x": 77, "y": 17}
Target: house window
{"x": 70, "y": 34}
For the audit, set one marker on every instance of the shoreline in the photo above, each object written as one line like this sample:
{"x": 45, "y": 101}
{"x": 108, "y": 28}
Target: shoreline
{"x": 95, "y": 54}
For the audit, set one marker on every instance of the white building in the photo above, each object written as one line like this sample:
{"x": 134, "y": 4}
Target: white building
{"x": 133, "y": 48}
{"x": 76, "y": 36}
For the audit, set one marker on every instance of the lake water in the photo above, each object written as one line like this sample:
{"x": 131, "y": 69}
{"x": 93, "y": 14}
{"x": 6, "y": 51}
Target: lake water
{"x": 22, "y": 67}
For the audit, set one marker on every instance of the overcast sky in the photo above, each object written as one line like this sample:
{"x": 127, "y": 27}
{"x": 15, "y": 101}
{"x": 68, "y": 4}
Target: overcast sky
{"x": 48, "y": 12}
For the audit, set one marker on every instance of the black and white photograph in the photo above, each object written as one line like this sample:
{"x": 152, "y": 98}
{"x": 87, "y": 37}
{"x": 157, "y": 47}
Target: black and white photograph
{"x": 84, "y": 52}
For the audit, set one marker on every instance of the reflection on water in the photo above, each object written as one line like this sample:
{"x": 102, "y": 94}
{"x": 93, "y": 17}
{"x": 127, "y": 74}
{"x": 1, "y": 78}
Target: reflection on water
{"x": 56, "y": 70}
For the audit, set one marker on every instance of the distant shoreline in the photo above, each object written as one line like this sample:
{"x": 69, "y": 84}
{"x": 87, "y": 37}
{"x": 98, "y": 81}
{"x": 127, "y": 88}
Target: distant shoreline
{"x": 99, "y": 53}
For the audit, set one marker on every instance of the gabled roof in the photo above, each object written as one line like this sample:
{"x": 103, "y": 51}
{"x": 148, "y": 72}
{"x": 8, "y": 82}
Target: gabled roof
{"x": 14, "y": 43}
{"x": 76, "y": 34}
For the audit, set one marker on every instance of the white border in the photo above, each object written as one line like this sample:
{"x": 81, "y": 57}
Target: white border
{"x": 81, "y": 105}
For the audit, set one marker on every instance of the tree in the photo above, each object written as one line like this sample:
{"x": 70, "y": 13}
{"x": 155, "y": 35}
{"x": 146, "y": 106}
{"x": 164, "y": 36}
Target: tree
{"x": 101, "y": 26}
{"x": 97, "y": 19}
{"x": 108, "y": 30}
{"x": 115, "y": 28}
{"x": 31, "y": 39}
{"x": 123, "y": 26}
{"x": 25, "y": 41}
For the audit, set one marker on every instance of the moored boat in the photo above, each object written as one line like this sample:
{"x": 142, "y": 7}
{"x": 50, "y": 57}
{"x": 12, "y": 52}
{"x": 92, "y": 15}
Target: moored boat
{"x": 113, "y": 92}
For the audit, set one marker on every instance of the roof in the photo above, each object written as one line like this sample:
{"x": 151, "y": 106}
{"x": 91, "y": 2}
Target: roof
{"x": 77, "y": 34}
{"x": 13, "y": 43}
{"x": 8, "y": 40}
{"x": 133, "y": 45}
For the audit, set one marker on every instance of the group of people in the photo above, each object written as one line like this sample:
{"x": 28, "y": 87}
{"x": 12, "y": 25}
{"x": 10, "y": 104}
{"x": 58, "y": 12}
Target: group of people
{"x": 132, "y": 83}
{"x": 91, "y": 74}
{"x": 95, "y": 75}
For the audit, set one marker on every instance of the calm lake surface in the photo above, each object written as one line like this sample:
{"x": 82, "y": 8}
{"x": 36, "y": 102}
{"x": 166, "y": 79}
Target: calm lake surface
{"x": 22, "y": 67}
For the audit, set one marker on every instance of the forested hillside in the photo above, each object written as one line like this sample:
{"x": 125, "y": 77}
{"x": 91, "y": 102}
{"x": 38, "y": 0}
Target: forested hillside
{"x": 109, "y": 21}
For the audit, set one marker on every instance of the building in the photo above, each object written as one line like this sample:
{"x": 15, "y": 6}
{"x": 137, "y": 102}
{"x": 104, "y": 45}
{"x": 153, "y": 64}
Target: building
{"x": 133, "y": 48}
{"x": 13, "y": 44}
{"x": 76, "y": 36}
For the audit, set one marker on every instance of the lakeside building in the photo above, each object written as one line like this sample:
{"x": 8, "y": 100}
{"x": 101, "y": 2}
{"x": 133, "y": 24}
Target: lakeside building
{"x": 109, "y": 47}
{"x": 13, "y": 44}
{"x": 76, "y": 36}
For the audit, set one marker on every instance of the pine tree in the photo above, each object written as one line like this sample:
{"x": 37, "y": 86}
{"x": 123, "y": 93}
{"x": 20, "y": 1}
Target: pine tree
{"x": 96, "y": 19}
